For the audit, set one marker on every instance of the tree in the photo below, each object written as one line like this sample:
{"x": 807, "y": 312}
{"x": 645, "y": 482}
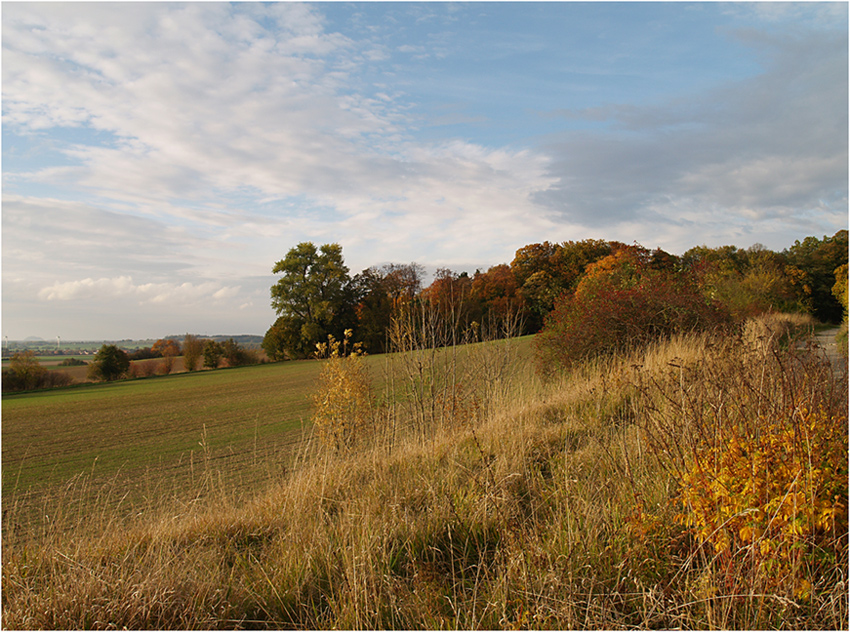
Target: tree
{"x": 379, "y": 293}
{"x": 284, "y": 333}
{"x": 233, "y": 354}
{"x": 622, "y": 302}
{"x": 839, "y": 291}
{"x": 313, "y": 294}
{"x": 110, "y": 363}
{"x": 213, "y": 352}
{"x": 496, "y": 298}
{"x": 168, "y": 349}
{"x": 25, "y": 373}
{"x": 812, "y": 265}
{"x": 545, "y": 271}
{"x": 193, "y": 347}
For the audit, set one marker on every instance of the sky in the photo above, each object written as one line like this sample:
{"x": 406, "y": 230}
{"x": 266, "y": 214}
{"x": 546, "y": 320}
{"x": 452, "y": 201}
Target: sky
{"x": 159, "y": 158}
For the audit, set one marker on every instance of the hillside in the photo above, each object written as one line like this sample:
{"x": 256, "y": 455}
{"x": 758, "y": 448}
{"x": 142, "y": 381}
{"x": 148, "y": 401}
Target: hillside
{"x": 561, "y": 504}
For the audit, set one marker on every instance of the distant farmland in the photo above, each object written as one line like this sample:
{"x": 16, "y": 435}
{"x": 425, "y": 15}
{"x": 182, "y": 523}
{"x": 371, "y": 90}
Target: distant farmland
{"x": 143, "y": 432}
{"x": 155, "y": 436}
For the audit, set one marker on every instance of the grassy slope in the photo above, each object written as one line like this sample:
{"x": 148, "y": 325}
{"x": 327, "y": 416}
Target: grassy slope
{"x": 548, "y": 512}
{"x": 159, "y": 432}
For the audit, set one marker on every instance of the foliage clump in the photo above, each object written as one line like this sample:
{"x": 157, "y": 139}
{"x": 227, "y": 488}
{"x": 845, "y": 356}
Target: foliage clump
{"x": 110, "y": 363}
{"x": 25, "y": 373}
{"x": 625, "y": 300}
{"x": 772, "y": 493}
{"x": 342, "y": 400}
{"x": 213, "y": 353}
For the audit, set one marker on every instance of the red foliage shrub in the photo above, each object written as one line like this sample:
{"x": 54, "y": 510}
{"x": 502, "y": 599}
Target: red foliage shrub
{"x": 623, "y": 303}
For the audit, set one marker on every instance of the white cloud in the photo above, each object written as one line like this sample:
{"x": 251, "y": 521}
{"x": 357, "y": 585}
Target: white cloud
{"x": 123, "y": 287}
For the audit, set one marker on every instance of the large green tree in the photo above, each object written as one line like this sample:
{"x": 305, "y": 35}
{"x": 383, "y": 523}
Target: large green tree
{"x": 312, "y": 297}
{"x": 813, "y": 263}
{"x": 110, "y": 363}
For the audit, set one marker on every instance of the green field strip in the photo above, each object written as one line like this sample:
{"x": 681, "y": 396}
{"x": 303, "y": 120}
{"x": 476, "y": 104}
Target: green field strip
{"x": 51, "y": 436}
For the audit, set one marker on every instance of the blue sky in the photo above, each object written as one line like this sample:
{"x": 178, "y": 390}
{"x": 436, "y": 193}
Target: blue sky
{"x": 158, "y": 158}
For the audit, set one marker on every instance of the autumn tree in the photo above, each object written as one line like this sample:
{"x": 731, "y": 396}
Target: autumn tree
{"x": 25, "y": 372}
{"x": 374, "y": 309}
{"x": 812, "y": 264}
{"x": 285, "y": 333}
{"x": 546, "y": 271}
{"x": 496, "y": 299}
{"x": 193, "y": 347}
{"x": 747, "y": 281}
{"x": 380, "y": 293}
{"x": 168, "y": 349}
{"x": 839, "y": 291}
{"x": 235, "y": 355}
{"x": 622, "y": 302}
{"x": 312, "y": 296}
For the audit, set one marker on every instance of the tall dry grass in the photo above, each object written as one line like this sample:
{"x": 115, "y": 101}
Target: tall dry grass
{"x": 554, "y": 506}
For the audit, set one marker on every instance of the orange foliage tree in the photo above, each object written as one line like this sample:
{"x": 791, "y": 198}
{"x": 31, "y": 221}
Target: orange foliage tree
{"x": 623, "y": 301}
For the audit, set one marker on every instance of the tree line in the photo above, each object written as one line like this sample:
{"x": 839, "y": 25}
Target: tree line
{"x": 316, "y": 297}
{"x": 111, "y": 362}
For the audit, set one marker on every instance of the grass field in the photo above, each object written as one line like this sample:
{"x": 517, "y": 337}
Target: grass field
{"x": 159, "y": 433}
{"x": 155, "y": 430}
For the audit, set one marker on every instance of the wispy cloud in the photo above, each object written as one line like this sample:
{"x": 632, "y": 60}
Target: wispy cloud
{"x": 123, "y": 286}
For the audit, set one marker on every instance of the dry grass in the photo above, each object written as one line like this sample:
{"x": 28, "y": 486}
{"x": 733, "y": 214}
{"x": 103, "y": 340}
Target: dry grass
{"x": 552, "y": 507}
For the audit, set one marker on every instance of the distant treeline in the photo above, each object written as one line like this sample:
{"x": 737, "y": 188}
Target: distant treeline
{"x": 316, "y": 297}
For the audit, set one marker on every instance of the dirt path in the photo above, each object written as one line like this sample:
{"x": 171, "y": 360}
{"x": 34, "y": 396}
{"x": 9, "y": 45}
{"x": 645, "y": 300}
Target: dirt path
{"x": 826, "y": 341}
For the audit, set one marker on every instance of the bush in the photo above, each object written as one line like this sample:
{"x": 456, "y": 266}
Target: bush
{"x": 774, "y": 491}
{"x": 72, "y": 362}
{"x": 26, "y": 374}
{"x": 623, "y": 303}
{"x": 754, "y": 435}
{"x": 235, "y": 355}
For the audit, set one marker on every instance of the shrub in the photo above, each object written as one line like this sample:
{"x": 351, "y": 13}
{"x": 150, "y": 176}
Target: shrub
{"x": 55, "y": 379}
{"x": 235, "y": 355}
{"x": 754, "y": 435}
{"x": 343, "y": 404}
{"x": 774, "y": 491}
{"x": 25, "y": 373}
{"x": 72, "y": 362}
{"x": 623, "y": 303}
